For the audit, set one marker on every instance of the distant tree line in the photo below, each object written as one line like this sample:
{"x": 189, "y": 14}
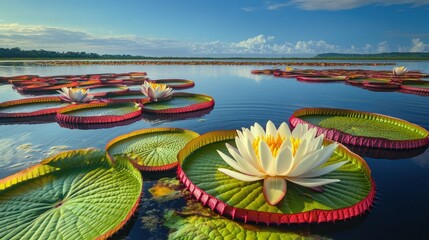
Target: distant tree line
{"x": 18, "y": 53}
{"x": 378, "y": 56}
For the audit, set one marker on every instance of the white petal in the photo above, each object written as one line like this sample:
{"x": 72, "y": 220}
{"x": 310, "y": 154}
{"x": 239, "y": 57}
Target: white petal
{"x": 299, "y": 130}
{"x": 284, "y": 162}
{"x": 266, "y": 158}
{"x": 274, "y": 189}
{"x": 239, "y": 176}
{"x": 284, "y": 130}
{"x": 302, "y": 150}
{"x": 323, "y": 171}
{"x": 231, "y": 162}
{"x": 271, "y": 129}
{"x": 249, "y": 155}
{"x": 325, "y": 154}
{"x": 302, "y": 166}
{"x": 312, "y": 182}
{"x": 248, "y": 165}
{"x": 257, "y": 130}
{"x": 248, "y": 134}
{"x": 316, "y": 143}
{"x": 251, "y": 152}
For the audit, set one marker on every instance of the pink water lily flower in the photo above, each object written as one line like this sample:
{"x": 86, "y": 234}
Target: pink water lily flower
{"x": 277, "y": 156}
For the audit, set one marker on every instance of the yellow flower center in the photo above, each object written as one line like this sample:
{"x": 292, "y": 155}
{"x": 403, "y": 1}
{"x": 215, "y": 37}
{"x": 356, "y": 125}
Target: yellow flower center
{"x": 274, "y": 143}
{"x": 160, "y": 85}
{"x": 295, "y": 144}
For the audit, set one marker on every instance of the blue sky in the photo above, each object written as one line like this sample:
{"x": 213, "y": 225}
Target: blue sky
{"x": 216, "y": 27}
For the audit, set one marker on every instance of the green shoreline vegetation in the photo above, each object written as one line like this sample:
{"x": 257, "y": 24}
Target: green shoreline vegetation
{"x": 19, "y": 54}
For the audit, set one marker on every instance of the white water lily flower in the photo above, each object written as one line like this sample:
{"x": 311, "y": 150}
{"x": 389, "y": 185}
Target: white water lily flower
{"x": 289, "y": 69}
{"x": 397, "y": 71}
{"x": 156, "y": 92}
{"x": 278, "y": 156}
{"x": 77, "y": 95}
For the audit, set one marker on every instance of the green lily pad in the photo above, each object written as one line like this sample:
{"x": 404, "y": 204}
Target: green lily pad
{"x": 321, "y": 78}
{"x": 362, "y": 128}
{"x": 198, "y": 170}
{"x": 360, "y": 81}
{"x": 175, "y": 83}
{"x": 153, "y": 149}
{"x": 417, "y": 86}
{"x": 74, "y": 195}
{"x": 99, "y": 112}
{"x": 179, "y": 103}
{"x": 127, "y": 96}
{"x": 31, "y": 107}
{"x": 218, "y": 227}
{"x": 100, "y": 90}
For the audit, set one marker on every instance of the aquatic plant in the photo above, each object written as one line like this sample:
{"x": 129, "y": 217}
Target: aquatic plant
{"x": 362, "y": 128}
{"x": 199, "y": 162}
{"x": 398, "y": 71}
{"x": 75, "y": 95}
{"x": 77, "y": 194}
{"x": 156, "y": 92}
{"x": 279, "y": 155}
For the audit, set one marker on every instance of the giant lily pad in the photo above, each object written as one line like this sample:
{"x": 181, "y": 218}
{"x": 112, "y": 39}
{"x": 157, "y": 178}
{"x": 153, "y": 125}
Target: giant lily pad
{"x": 126, "y": 96}
{"x": 362, "y": 128}
{"x": 218, "y": 227}
{"x": 416, "y": 86}
{"x": 198, "y": 170}
{"x": 175, "y": 83}
{"x": 74, "y": 195}
{"x": 99, "y": 112}
{"x": 180, "y": 103}
{"x": 31, "y": 107}
{"x": 101, "y": 90}
{"x": 321, "y": 78}
{"x": 152, "y": 149}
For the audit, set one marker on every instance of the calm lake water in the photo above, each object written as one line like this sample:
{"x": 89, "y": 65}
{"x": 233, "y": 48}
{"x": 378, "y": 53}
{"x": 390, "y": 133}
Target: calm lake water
{"x": 401, "y": 208}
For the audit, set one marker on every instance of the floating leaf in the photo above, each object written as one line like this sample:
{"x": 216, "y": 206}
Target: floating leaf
{"x": 362, "y": 128}
{"x": 152, "y": 149}
{"x": 218, "y": 227}
{"x": 99, "y": 112}
{"x": 31, "y": 107}
{"x": 175, "y": 83}
{"x": 416, "y": 86}
{"x": 198, "y": 170}
{"x": 74, "y": 195}
{"x": 180, "y": 103}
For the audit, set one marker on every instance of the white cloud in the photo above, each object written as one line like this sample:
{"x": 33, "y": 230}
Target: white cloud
{"x": 248, "y": 9}
{"x": 344, "y": 4}
{"x": 383, "y": 47}
{"x": 417, "y": 45}
{"x": 64, "y": 39}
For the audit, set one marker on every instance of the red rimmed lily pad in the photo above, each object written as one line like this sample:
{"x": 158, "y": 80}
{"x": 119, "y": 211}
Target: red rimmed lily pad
{"x": 99, "y": 112}
{"x": 180, "y": 103}
{"x": 102, "y": 90}
{"x": 360, "y": 81}
{"x": 125, "y": 96}
{"x": 362, "y": 128}
{"x": 175, "y": 83}
{"x": 382, "y": 85}
{"x": 31, "y": 107}
{"x": 153, "y": 149}
{"x": 198, "y": 171}
{"x": 67, "y": 195}
{"x": 416, "y": 86}
{"x": 321, "y": 78}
